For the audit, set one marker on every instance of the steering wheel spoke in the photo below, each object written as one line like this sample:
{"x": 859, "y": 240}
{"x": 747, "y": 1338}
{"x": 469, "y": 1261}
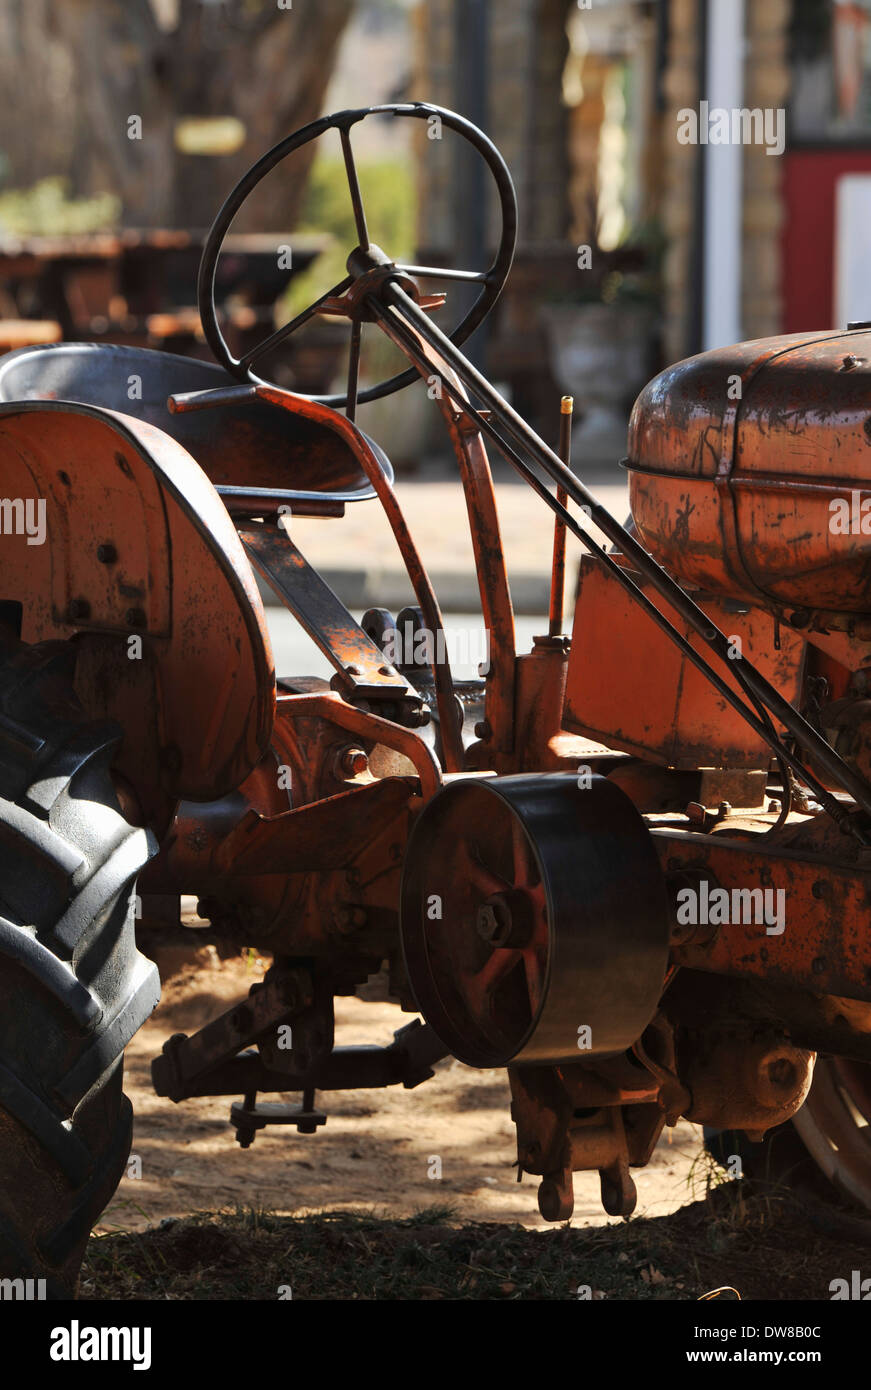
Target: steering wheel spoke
{"x": 474, "y": 277}
{"x": 285, "y": 331}
{"x": 354, "y": 187}
{"x": 490, "y": 281}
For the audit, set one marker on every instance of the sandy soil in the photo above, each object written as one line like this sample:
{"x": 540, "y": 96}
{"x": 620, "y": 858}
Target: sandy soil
{"x": 372, "y": 1155}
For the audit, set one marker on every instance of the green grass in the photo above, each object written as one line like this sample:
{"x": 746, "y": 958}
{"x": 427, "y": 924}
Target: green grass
{"x": 46, "y": 209}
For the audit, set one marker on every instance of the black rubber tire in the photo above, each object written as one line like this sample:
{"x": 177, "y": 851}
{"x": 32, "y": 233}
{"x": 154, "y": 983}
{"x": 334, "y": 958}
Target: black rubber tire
{"x": 73, "y": 987}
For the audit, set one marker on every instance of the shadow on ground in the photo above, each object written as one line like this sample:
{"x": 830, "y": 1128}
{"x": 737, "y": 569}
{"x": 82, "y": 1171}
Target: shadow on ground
{"x": 755, "y": 1243}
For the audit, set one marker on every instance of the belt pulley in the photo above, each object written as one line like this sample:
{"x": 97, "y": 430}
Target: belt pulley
{"x": 534, "y": 919}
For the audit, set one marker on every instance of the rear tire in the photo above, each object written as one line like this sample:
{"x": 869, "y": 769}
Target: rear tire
{"x": 73, "y": 987}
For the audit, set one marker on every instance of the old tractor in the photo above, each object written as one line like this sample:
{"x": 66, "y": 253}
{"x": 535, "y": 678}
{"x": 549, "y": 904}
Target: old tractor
{"x": 632, "y": 867}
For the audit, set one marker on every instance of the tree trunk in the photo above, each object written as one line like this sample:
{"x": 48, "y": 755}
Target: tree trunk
{"x": 75, "y": 75}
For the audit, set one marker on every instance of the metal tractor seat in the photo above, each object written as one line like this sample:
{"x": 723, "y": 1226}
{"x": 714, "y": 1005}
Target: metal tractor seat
{"x": 250, "y": 451}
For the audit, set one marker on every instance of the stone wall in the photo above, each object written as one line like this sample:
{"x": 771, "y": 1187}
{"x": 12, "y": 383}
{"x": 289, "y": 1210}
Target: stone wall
{"x": 766, "y": 84}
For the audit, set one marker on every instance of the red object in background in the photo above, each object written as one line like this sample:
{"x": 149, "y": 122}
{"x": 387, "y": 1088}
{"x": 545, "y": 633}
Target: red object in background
{"x": 808, "y": 238}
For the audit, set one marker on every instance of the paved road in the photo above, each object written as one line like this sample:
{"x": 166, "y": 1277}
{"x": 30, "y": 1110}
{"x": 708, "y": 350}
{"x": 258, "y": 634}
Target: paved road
{"x": 358, "y": 557}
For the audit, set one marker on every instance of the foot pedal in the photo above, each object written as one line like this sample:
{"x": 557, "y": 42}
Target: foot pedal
{"x": 247, "y": 1116}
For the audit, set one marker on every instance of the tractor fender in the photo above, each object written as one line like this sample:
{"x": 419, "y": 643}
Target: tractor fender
{"x": 112, "y": 534}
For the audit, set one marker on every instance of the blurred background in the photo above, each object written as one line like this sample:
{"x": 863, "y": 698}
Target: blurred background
{"x": 124, "y": 124}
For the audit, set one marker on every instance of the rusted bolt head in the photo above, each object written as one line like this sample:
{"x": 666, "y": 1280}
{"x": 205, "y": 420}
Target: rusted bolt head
{"x": 106, "y": 553}
{"x": 353, "y": 761}
{"x": 782, "y": 1073}
{"x": 506, "y": 919}
{"x": 487, "y": 924}
{"x": 347, "y": 917}
{"x": 79, "y": 609}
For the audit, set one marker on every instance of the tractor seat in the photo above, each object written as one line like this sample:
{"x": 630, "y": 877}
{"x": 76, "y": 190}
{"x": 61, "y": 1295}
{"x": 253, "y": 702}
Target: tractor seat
{"x": 248, "y": 450}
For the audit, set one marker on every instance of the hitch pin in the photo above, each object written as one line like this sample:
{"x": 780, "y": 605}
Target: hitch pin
{"x": 558, "y": 572}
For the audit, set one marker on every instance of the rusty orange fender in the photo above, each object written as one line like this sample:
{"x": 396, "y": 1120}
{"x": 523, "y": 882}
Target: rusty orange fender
{"x": 136, "y": 544}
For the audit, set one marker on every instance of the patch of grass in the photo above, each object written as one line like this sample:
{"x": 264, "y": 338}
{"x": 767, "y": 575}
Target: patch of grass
{"x": 763, "y": 1246}
{"x": 46, "y": 209}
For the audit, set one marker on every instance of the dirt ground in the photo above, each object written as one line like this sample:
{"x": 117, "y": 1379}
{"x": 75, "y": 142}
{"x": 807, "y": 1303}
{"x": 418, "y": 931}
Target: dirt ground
{"x": 374, "y": 1153}
{"x": 737, "y": 1242}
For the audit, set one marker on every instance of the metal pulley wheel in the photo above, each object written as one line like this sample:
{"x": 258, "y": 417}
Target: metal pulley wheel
{"x": 534, "y": 919}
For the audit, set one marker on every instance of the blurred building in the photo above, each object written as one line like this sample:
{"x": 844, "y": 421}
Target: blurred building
{"x": 704, "y": 239}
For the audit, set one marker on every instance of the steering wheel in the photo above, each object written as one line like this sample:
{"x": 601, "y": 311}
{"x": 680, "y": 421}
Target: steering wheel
{"x": 364, "y": 255}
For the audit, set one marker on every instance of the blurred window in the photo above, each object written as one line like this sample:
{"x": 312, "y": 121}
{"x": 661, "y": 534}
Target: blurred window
{"x": 831, "y": 72}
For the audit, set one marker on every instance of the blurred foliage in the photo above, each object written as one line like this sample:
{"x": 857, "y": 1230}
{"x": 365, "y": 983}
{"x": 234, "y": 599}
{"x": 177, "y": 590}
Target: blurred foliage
{"x": 46, "y": 209}
{"x": 388, "y": 190}
{"x": 627, "y": 274}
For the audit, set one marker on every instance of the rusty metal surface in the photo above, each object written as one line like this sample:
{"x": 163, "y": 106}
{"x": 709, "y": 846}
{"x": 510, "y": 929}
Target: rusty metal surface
{"x": 331, "y": 710}
{"x": 362, "y": 665}
{"x": 734, "y": 457}
{"x": 139, "y": 545}
{"x": 326, "y": 834}
{"x": 824, "y": 946}
{"x": 679, "y": 719}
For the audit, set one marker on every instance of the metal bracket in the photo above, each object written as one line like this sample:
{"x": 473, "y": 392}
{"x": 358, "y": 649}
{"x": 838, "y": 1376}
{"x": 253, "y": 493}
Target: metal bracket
{"x": 362, "y": 666}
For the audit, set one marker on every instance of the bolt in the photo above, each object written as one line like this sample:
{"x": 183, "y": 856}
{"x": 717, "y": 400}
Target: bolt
{"x": 106, "y": 553}
{"x": 347, "y": 918}
{"x": 482, "y": 729}
{"x": 352, "y": 670}
{"x": 781, "y": 1073}
{"x": 78, "y": 609}
{"x": 486, "y": 924}
{"x": 417, "y": 717}
{"x": 506, "y": 920}
{"x": 851, "y": 361}
{"x": 352, "y": 761}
